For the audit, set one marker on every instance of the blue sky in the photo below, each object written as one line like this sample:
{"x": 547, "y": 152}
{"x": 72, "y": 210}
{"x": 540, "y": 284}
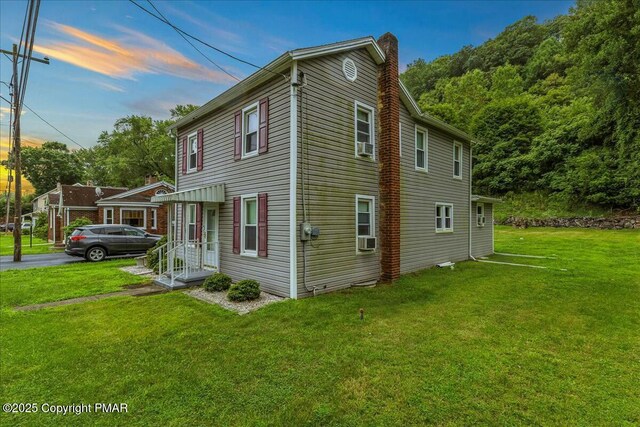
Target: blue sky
{"x": 109, "y": 59}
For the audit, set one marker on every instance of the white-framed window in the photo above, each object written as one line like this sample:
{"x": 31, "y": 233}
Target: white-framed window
{"x": 400, "y": 138}
{"x": 192, "y": 151}
{"x": 422, "y": 149}
{"x": 154, "y": 219}
{"x": 107, "y": 216}
{"x": 365, "y": 216}
{"x": 250, "y": 133}
{"x": 134, "y": 217}
{"x": 457, "y": 160}
{"x": 444, "y": 217}
{"x": 249, "y": 226}
{"x": 161, "y": 192}
{"x": 191, "y": 221}
{"x": 480, "y": 219}
{"x": 364, "y": 123}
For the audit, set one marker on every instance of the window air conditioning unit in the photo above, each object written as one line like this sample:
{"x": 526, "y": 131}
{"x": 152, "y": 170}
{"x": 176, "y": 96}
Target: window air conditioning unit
{"x": 366, "y": 243}
{"x": 365, "y": 149}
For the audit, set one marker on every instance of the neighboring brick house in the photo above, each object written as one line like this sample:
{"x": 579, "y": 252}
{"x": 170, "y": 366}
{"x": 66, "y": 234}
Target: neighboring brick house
{"x": 69, "y": 202}
{"x": 320, "y": 172}
{"x": 134, "y": 207}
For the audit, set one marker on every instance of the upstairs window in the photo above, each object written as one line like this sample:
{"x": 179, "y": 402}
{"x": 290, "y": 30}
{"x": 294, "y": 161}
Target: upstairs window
{"x": 250, "y": 131}
{"x": 444, "y": 218}
{"x": 480, "y": 219}
{"x": 422, "y": 149}
{"x": 457, "y": 160}
{"x": 364, "y": 129}
{"x": 193, "y": 151}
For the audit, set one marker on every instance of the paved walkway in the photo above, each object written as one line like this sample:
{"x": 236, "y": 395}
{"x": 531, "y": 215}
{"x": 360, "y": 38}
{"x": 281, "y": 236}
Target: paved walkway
{"x": 135, "y": 292}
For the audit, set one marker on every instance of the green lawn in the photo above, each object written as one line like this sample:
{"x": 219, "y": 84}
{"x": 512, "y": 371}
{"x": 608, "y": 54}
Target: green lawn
{"x": 480, "y": 344}
{"x": 37, "y": 285}
{"x": 40, "y": 246}
{"x": 541, "y": 205}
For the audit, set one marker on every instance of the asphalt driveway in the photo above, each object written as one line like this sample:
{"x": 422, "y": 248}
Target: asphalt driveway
{"x": 42, "y": 260}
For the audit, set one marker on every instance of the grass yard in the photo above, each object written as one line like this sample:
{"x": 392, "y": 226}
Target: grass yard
{"x": 480, "y": 344}
{"x": 40, "y": 246}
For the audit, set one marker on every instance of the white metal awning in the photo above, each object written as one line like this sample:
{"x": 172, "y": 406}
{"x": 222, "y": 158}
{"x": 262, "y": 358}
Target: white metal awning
{"x": 484, "y": 199}
{"x": 211, "y": 193}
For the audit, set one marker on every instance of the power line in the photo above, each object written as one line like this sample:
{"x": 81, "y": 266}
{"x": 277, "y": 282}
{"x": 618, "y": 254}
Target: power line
{"x": 205, "y": 43}
{"x": 52, "y": 126}
{"x": 192, "y": 45}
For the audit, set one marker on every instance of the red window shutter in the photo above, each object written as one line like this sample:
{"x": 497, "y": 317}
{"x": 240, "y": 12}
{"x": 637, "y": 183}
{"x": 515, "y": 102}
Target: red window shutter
{"x": 236, "y": 225}
{"x": 262, "y": 224}
{"x": 184, "y": 155}
{"x": 237, "y": 136}
{"x": 199, "y": 222}
{"x": 264, "y": 126}
{"x": 200, "y": 148}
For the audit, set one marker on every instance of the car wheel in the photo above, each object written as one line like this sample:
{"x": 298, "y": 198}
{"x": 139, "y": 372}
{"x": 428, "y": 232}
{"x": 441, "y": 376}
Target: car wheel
{"x": 96, "y": 254}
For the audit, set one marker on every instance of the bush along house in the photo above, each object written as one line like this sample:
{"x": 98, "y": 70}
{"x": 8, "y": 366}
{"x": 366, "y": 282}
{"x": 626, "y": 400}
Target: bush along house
{"x": 320, "y": 172}
{"x": 106, "y": 205}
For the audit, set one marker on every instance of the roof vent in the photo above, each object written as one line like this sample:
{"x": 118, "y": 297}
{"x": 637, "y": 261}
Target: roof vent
{"x": 349, "y": 69}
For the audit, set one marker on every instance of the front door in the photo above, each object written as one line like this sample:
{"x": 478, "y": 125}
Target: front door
{"x": 210, "y": 236}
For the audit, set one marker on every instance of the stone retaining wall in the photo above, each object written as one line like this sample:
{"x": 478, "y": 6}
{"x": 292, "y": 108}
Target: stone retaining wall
{"x": 614, "y": 223}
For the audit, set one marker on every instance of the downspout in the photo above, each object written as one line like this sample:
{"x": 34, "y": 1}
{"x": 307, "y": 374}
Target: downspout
{"x": 470, "y": 202}
{"x": 293, "y": 164}
{"x": 174, "y": 206}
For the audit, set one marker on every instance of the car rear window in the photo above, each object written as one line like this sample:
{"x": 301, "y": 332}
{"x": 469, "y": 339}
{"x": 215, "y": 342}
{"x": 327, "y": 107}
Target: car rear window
{"x": 77, "y": 232}
{"x": 96, "y": 230}
{"x": 114, "y": 231}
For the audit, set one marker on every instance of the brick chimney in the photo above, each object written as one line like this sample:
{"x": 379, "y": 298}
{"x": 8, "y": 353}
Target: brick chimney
{"x": 389, "y": 158}
{"x": 150, "y": 179}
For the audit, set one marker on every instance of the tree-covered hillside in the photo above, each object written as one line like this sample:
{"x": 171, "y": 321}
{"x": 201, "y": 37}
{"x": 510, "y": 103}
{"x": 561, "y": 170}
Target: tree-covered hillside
{"x": 554, "y": 106}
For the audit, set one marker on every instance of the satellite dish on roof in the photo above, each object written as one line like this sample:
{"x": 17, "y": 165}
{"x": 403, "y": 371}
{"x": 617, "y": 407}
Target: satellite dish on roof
{"x": 99, "y": 192}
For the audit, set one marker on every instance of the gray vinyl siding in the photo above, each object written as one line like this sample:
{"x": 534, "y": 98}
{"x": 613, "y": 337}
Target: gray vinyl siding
{"x": 421, "y": 246}
{"x": 333, "y": 174}
{"x": 482, "y": 237}
{"x": 265, "y": 173}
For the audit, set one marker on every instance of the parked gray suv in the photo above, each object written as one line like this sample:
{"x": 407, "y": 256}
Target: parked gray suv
{"x": 96, "y": 242}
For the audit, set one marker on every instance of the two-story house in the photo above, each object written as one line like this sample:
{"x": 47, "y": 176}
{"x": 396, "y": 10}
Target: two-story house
{"x": 319, "y": 172}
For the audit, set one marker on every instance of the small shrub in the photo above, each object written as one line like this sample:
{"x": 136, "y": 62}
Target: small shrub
{"x": 42, "y": 226}
{"x": 217, "y": 282}
{"x": 152, "y": 257}
{"x": 244, "y": 290}
{"x": 78, "y": 222}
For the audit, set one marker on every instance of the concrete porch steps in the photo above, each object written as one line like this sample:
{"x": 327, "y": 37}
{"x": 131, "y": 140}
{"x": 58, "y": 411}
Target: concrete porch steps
{"x": 195, "y": 278}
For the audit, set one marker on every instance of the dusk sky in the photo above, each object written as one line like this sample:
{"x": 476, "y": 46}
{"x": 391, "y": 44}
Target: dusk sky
{"x": 109, "y": 59}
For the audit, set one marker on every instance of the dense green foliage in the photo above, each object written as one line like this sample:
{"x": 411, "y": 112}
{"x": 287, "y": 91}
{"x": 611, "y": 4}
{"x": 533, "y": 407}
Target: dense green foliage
{"x": 482, "y": 344}
{"x": 555, "y": 106}
{"x": 48, "y": 165}
{"x": 217, "y": 282}
{"x": 244, "y": 290}
{"x": 137, "y": 147}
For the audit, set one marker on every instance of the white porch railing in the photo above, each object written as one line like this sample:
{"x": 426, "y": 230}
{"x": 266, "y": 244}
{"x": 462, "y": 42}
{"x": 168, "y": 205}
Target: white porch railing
{"x": 179, "y": 259}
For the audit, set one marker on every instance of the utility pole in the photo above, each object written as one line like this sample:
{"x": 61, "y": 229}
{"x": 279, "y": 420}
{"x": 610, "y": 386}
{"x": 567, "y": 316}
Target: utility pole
{"x": 17, "y": 167}
{"x": 19, "y": 87}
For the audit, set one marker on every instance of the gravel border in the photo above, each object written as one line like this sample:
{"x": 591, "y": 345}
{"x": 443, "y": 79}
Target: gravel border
{"x": 243, "y": 307}
{"x": 139, "y": 271}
